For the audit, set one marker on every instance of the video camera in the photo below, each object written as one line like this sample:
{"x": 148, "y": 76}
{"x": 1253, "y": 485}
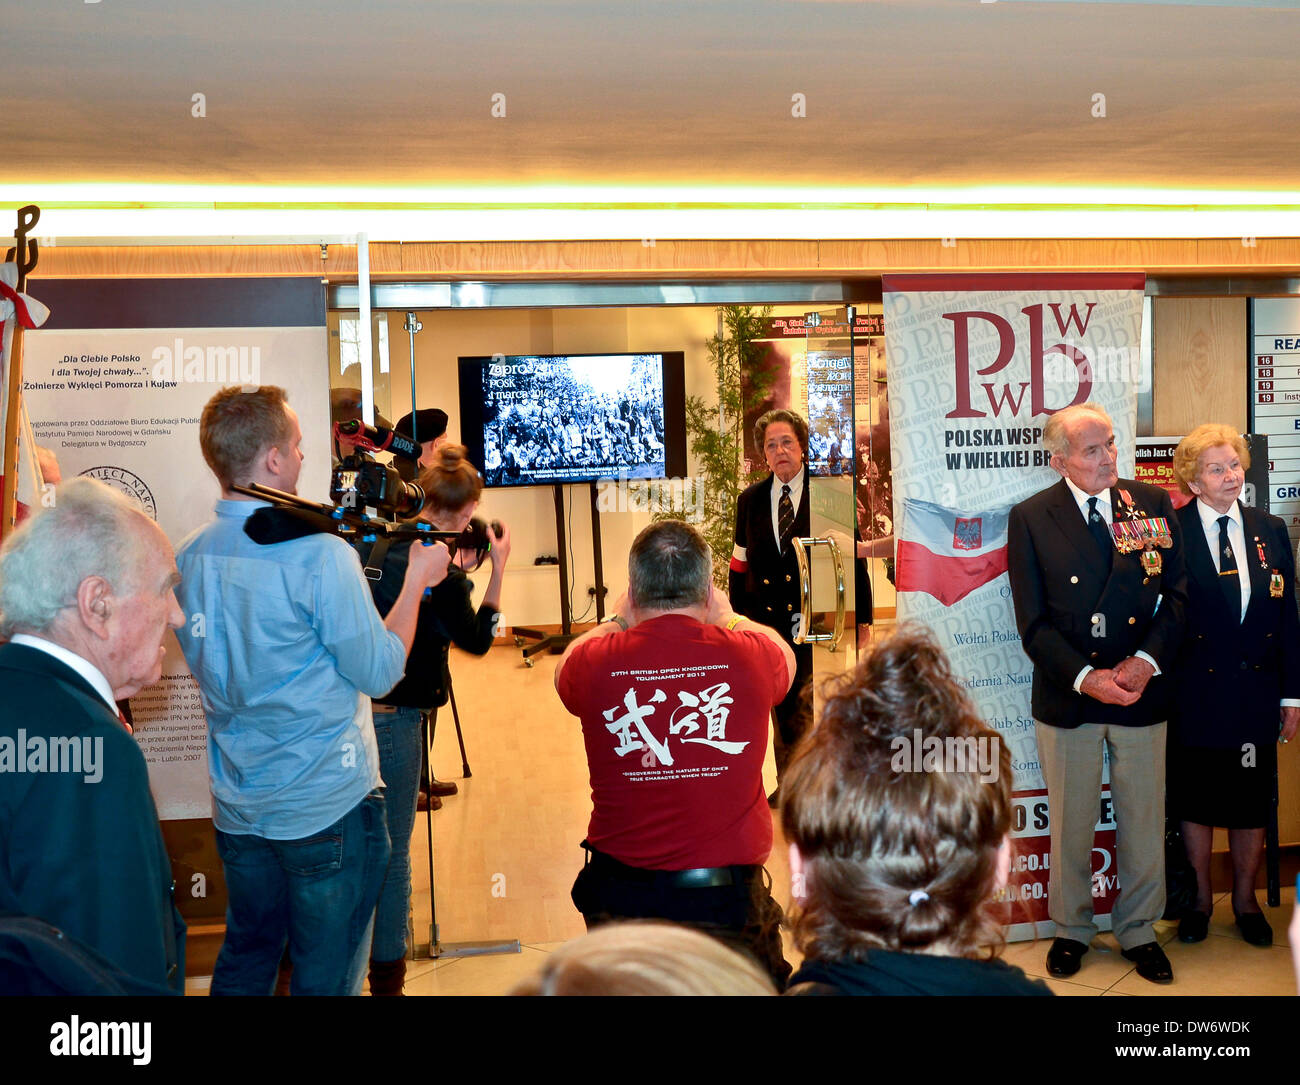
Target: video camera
{"x": 357, "y": 483}
{"x": 360, "y": 481}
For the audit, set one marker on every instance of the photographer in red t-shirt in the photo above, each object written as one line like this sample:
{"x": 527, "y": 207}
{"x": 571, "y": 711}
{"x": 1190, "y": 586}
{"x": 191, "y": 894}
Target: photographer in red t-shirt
{"x": 675, "y": 693}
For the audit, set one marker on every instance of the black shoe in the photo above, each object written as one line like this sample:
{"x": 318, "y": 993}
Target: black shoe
{"x": 1193, "y": 927}
{"x": 387, "y": 977}
{"x": 1152, "y": 964}
{"x": 1065, "y": 957}
{"x": 1254, "y": 928}
{"x": 443, "y": 788}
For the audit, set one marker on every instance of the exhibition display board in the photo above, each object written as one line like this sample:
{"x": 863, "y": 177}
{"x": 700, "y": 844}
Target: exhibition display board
{"x": 115, "y": 383}
{"x": 977, "y": 364}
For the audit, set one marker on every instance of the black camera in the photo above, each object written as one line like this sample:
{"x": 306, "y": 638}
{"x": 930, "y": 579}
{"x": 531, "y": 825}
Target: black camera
{"x": 360, "y": 482}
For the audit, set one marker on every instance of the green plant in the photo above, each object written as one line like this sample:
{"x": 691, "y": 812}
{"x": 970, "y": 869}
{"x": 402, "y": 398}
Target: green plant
{"x": 717, "y": 430}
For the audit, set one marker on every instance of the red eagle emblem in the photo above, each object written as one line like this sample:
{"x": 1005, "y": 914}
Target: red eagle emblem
{"x": 968, "y": 534}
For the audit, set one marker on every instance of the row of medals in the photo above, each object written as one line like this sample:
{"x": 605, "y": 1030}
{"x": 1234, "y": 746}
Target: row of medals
{"x": 1144, "y": 535}
{"x": 1147, "y": 534}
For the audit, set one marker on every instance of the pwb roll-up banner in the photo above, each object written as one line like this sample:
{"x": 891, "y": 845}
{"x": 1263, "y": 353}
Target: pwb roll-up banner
{"x": 977, "y": 365}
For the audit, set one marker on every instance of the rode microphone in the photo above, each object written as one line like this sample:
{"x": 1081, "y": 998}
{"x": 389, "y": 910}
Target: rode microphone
{"x": 374, "y": 439}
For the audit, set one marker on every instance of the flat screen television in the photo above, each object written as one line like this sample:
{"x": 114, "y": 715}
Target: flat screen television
{"x": 538, "y": 419}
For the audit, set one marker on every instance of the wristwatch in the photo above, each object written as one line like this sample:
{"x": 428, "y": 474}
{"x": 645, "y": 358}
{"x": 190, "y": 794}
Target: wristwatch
{"x": 622, "y": 622}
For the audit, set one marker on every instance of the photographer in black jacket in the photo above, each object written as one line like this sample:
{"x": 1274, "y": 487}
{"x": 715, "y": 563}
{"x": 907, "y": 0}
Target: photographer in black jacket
{"x": 452, "y": 487}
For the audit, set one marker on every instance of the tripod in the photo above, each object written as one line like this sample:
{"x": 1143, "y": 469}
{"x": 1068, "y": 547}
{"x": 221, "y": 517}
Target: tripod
{"x": 435, "y": 949}
{"x": 555, "y": 643}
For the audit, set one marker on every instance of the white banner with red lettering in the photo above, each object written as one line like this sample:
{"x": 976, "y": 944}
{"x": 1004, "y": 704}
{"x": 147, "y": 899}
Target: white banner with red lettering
{"x": 977, "y": 364}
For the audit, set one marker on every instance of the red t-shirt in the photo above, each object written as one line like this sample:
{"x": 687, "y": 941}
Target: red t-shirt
{"x": 675, "y": 719}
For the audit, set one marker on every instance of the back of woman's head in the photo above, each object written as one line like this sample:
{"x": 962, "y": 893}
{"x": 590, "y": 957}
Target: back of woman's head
{"x": 640, "y": 958}
{"x": 450, "y": 482}
{"x": 898, "y": 801}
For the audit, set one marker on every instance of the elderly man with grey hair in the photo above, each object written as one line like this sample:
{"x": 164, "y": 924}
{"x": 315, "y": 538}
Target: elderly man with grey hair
{"x": 1099, "y": 586}
{"x": 674, "y": 694}
{"x": 86, "y": 597}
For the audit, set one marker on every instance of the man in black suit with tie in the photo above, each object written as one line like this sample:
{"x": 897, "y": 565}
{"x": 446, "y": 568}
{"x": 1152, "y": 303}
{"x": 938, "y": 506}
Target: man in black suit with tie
{"x": 1098, "y": 582}
{"x": 764, "y": 579}
{"x": 86, "y": 596}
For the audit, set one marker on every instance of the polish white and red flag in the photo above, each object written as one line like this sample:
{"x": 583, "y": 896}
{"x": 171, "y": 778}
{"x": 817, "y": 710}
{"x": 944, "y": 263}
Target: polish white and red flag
{"x": 947, "y": 553}
{"x": 18, "y": 309}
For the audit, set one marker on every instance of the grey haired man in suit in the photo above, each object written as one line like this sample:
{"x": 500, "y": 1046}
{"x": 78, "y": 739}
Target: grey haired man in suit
{"x": 1098, "y": 582}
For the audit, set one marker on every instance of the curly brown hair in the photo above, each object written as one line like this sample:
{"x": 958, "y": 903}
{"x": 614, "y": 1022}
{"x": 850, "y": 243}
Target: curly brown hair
{"x": 901, "y": 860}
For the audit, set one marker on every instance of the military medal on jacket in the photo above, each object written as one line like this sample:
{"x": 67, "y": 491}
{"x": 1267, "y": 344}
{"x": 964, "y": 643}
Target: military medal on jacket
{"x": 1136, "y": 532}
{"x": 1275, "y": 584}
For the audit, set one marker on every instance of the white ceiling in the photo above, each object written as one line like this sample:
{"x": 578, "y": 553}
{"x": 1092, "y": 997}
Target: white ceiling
{"x": 666, "y": 94}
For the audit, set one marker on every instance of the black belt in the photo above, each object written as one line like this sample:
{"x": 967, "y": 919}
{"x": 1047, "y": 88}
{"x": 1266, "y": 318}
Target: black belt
{"x": 707, "y": 877}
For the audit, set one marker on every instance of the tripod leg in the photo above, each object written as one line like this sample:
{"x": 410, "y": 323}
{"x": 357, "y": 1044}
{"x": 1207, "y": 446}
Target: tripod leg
{"x": 428, "y": 821}
{"x": 460, "y": 737}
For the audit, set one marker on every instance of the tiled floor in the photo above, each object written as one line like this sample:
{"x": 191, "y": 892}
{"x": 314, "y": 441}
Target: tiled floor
{"x": 506, "y": 854}
{"x": 1221, "y": 965}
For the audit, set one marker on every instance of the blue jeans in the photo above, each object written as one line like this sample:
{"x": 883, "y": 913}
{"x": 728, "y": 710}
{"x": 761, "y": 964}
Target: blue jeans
{"x": 317, "y": 893}
{"x": 397, "y": 735}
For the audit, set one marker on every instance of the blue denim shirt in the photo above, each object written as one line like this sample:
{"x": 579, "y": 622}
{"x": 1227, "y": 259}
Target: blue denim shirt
{"x": 288, "y": 649}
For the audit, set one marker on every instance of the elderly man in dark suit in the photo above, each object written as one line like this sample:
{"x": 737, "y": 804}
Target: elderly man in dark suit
{"x": 1097, "y": 578}
{"x": 1237, "y": 692}
{"x": 764, "y": 578}
{"x": 86, "y": 596}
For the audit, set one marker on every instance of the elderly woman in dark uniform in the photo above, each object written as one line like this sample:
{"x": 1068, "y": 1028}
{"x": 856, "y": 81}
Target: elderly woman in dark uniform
{"x": 1237, "y": 690}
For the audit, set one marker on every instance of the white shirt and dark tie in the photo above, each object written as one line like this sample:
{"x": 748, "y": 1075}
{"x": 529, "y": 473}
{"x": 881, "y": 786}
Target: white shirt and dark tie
{"x": 1211, "y": 520}
{"x": 1100, "y": 504}
{"x": 795, "y": 490}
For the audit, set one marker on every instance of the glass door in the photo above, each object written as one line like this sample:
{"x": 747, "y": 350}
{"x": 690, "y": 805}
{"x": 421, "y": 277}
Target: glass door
{"x": 828, "y": 573}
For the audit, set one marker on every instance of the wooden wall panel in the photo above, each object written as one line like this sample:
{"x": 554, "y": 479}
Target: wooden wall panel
{"x": 199, "y": 261}
{"x": 1011, "y": 254}
{"x": 1199, "y": 350}
{"x": 1248, "y": 254}
{"x": 666, "y": 258}
{"x": 1288, "y": 794}
{"x": 620, "y": 259}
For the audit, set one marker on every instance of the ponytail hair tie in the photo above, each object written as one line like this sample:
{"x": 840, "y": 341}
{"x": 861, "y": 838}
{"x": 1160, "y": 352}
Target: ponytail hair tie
{"x": 916, "y": 896}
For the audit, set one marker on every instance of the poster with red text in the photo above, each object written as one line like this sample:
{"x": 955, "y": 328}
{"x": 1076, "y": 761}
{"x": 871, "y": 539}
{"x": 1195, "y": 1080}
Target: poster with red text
{"x": 977, "y": 365}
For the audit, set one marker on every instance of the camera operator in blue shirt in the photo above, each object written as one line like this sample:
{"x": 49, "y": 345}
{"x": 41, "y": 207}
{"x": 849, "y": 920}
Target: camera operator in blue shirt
{"x": 287, "y": 648}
